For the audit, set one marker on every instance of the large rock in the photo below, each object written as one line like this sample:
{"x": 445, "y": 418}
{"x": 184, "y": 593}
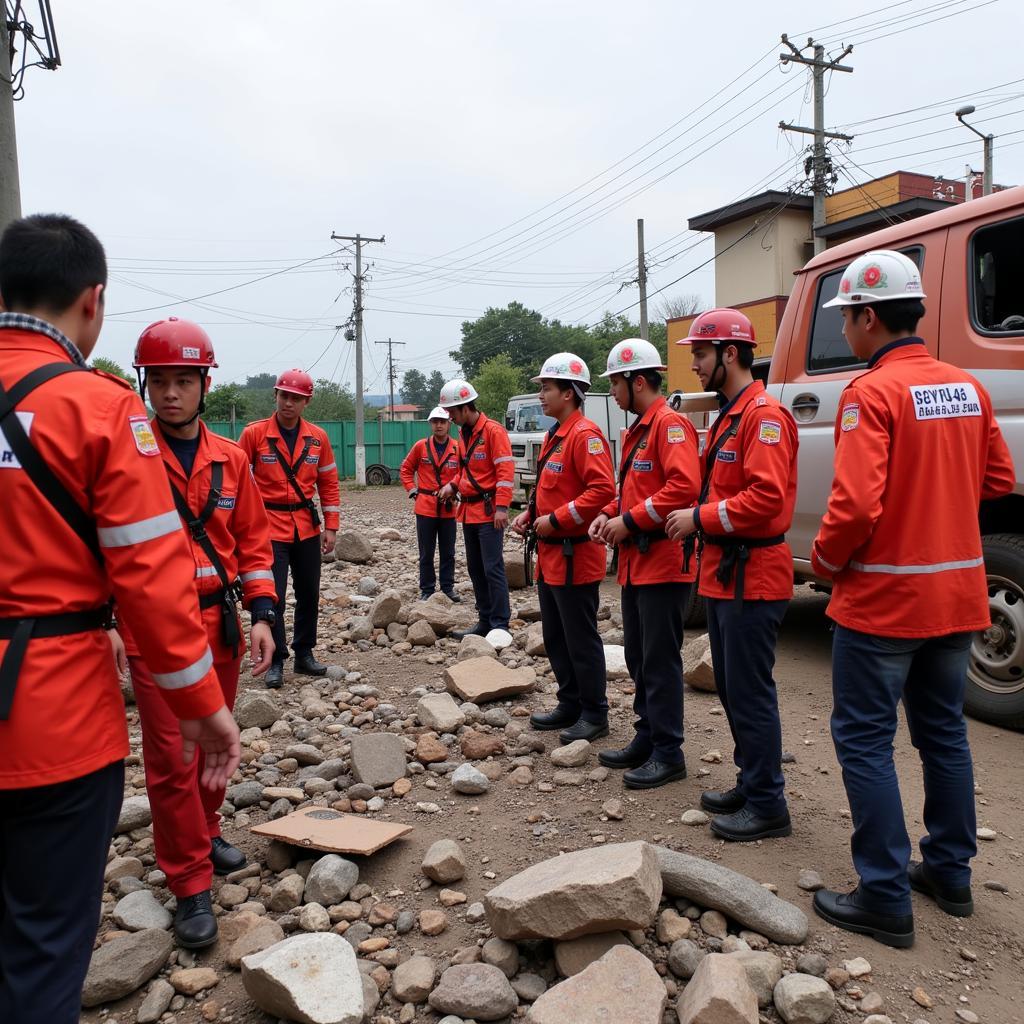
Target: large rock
{"x": 712, "y": 885}
{"x": 473, "y": 646}
{"x": 515, "y": 572}
{"x": 124, "y": 964}
{"x": 580, "y": 893}
{"x": 421, "y": 634}
{"x": 535, "y": 641}
{"x": 572, "y": 755}
{"x": 439, "y": 617}
{"x": 413, "y": 979}
{"x": 804, "y": 999}
{"x": 530, "y": 611}
{"x": 330, "y": 880}
{"x": 478, "y": 991}
{"x": 140, "y": 910}
{"x": 261, "y": 936}
{"x": 575, "y": 955}
{"x": 256, "y": 709}
{"x": 135, "y": 813}
{"x": 378, "y": 759}
{"x": 438, "y": 711}
{"x": 718, "y": 993}
{"x": 353, "y": 547}
{"x": 615, "y": 662}
{"x": 622, "y": 986}
{"x": 697, "y": 668}
{"x": 444, "y": 862}
{"x": 479, "y": 680}
{"x": 470, "y": 780}
{"x": 312, "y": 979}
{"x": 385, "y": 609}
{"x": 763, "y": 971}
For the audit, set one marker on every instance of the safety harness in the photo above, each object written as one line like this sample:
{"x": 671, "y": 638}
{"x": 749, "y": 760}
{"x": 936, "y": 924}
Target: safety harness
{"x": 644, "y": 538}
{"x": 487, "y": 497}
{"x": 228, "y": 595}
{"x": 289, "y": 471}
{"x": 436, "y": 466}
{"x": 19, "y": 631}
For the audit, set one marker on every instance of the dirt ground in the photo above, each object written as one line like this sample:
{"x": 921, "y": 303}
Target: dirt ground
{"x": 972, "y": 964}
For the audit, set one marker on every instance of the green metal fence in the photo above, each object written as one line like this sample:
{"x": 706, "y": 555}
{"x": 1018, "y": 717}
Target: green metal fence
{"x": 386, "y": 447}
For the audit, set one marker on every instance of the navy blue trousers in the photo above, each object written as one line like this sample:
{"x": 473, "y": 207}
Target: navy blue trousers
{"x": 652, "y": 626}
{"x": 433, "y": 532}
{"x": 53, "y": 851}
{"x": 568, "y": 616}
{"x": 870, "y": 675}
{"x": 485, "y": 560}
{"x": 743, "y": 656}
{"x": 303, "y": 558}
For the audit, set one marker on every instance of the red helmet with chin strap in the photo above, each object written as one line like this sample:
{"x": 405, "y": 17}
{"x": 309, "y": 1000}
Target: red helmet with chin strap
{"x": 298, "y": 382}
{"x": 174, "y": 342}
{"x": 721, "y": 326}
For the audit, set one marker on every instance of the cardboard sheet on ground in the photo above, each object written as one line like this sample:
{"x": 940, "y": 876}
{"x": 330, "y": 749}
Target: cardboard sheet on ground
{"x": 321, "y": 828}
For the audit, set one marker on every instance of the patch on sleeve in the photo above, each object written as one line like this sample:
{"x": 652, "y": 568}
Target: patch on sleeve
{"x": 142, "y": 434}
{"x": 850, "y": 418}
{"x": 770, "y": 432}
{"x": 760, "y": 401}
{"x": 675, "y": 435}
{"x": 595, "y": 446}
{"x": 945, "y": 401}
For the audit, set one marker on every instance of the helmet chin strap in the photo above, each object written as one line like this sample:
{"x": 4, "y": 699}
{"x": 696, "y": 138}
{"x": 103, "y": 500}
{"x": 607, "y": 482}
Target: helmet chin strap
{"x": 194, "y": 416}
{"x": 630, "y": 377}
{"x": 716, "y": 382}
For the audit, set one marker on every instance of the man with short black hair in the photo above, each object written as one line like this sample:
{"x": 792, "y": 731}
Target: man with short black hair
{"x": 918, "y": 449}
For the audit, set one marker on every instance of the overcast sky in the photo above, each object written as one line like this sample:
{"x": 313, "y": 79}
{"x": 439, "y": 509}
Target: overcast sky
{"x": 497, "y": 146}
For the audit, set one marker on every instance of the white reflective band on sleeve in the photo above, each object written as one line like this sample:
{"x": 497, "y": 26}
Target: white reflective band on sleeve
{"x": 503, "y": 458}
{"x": 136, "y": 533}
{"x": 504, "y": 483}
{"x": 324, "y": 469}
{"x": 202, "y": 571}
{"x": 914, "y": 570}
{"x": 187, "y": 676}
{"x": 828, "y": 565}
{"x": 723, "y": 517}
{"x": 332, "y": 508}
{"x": 576, "y": 517}
{"x": 650, "y": 510}
{"x": 257, "y": 574}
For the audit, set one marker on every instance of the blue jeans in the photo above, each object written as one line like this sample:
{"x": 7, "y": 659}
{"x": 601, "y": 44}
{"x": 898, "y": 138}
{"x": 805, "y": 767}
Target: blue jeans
{"x": 485, "y": 560}
{"x": 870, "y": 675}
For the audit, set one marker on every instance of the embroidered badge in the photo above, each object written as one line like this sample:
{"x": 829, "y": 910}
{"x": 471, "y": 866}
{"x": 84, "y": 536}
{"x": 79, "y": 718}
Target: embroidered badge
{"x": 728, "y": 455}
{"x": 945, "y": 401}
{"x": 8, "y": 460}
{"x": 642, "y": 466}
{"x": 770, "y": 432}
{"x": 480, "y": 455}
{"x": 226, "y": 501}
{"x": 312, "y": 459}
{"x": 268, "y": 458}
{"x": 143, "y": 435}
{"x": 595, "y": 446}
{"x": 675, "y": 435}
{"x": 850, "y": 419}
{"x": 760, "y": 401}
{"x": 554, "y": 467}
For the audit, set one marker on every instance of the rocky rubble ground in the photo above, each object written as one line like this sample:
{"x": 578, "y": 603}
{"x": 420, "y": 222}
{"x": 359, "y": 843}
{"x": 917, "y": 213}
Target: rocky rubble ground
{"x": 464, "y": 921}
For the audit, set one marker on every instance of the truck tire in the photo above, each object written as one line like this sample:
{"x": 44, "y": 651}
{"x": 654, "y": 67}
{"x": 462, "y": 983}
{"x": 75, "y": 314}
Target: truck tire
{"x": 378, "y": 476}
{"x": 694, "y": 613}
{"x": 995, "y": 675}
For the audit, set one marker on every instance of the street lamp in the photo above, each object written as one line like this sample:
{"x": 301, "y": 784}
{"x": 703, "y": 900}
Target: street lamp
{"x": 986, "y": 180}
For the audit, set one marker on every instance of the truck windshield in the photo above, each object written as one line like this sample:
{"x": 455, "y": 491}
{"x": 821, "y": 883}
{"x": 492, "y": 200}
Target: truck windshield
{"x": 525, "y": 419}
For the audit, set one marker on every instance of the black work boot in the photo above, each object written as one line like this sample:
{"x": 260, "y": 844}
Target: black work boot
{"x": 726, "y": 801}
{"x": 583, "y": 730}
{"x": 744, "y": 826}
{"x": 560, "y": 718}
{"x": 226, "y": 858}
{"x": 273, "y": 678}
{"x": 633, "y": 755}
{"x": 954, "y": 900}
{"x": 652, "y": 774}
{"x": 307, "y": 665}
{"x": 453, "y": 597}
{"x": 478, "y": 630}
{"x": 195, "y": 927}
{"x": 844, "y": 910}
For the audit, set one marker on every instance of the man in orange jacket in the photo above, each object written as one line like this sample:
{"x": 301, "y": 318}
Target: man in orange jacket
{"x": 484, "y": 488}
{"x": 917, "y": 451}
{"x": 229, "y": 537}
{"x": 574, "y": 482}
{"x": 86, "y": 517}
{"x": 745, "y": 506}
{"x": 432, "y": 463}
{"x": 292, "y": 461}
{"x": 658, "y": 471}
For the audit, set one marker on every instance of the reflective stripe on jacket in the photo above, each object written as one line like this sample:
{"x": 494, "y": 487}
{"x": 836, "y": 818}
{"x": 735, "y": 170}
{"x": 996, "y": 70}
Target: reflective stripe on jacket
{"x": 417, "y": 472}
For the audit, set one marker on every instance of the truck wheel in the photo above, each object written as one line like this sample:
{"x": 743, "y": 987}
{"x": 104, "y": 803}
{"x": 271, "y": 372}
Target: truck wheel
{"x": 995, "y": 676}
{"x": 378, "y": 476}
{"x": 694, "y": 614}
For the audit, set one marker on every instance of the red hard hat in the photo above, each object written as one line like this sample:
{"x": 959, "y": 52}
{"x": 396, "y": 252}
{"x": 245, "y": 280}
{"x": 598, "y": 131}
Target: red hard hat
{"x": 174, "y": 342}
{"x": 721, "y": 325}
{"x": 298, "y": 382}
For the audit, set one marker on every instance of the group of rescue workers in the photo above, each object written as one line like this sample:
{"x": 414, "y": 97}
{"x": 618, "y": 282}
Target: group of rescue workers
{"x": 174, "y": 527}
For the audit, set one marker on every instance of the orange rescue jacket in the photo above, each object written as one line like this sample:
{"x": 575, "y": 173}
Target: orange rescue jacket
{"x": 659, "y": 471}
{"x": 237, "y": 527}
{"x": 486, "y": 468}
{"x": 67, "y": 716}
{"x": 752, "y": 495}
{"x": 575, "y": 483}
{"x": 315, "y": 471}
{"x": 917, "y": 450}
{"x": 423, "y": 471}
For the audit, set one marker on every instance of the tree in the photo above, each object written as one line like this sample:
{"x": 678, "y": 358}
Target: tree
{"x": 497, "y": 381}
{"x": 221, "y": 397}
{"x": 680, "y": 305}
{"x": 330, "y": 401}
{"x": 414, "y": 388}
{"x": 515, "y": 331}
{"x": 435, "y": 382}
{"x": 109, "y": 366}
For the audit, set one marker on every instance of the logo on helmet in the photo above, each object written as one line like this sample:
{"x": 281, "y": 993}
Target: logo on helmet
{"x": 627, "y": 355}
{"x": 189, "y": 353}
{"x": 463, "y": 392}
{"x": 707, "y": 329}
{"x": 575, "y": 366}
{"x": 872, "y": 276}
{"x": 844, "y": 285}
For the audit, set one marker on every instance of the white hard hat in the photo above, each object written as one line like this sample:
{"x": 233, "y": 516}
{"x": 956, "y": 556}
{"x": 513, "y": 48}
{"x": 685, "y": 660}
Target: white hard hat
{"x": 878, "y": 277}
{"x": 564, "y": 366}
{"x": 633, "y": 354}
{"x": 437, "y": 413}
{"x": 457, "y": 392}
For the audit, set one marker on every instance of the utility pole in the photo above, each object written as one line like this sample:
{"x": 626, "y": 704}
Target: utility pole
{"x": 391, "y": 372}
{"x": 360, "y": 241}
{"x": 641, "y": 276}
{"x": 819, "y": 161}
{"x": 10, "y": 188}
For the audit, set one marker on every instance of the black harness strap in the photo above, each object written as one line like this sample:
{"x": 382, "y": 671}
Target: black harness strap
{"x": 644, "y": 538}
{"x": 487, "y": 497}
{"x": 436, "y": 466}
{"x": 289, "y": 471}
{"x": 735, "y": 554}
{"x": 228, "y": 595}
{"x": 532, "y": 540}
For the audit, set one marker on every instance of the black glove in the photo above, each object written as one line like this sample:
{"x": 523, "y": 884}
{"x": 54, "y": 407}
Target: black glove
{"x": 414, "y": 492}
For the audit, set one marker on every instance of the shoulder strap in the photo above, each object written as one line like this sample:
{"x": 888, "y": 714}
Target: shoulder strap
{"x": 465, "y": 464}
{"x": 197, "y": 523}
{"x": 541, "y": 463}
{"x": 32, "y": 462}
{"x": 289, "y": 472}
{"x": 434, "y": 464}
{"x": 627, "y": 464}
{"x": 726, "y": 435}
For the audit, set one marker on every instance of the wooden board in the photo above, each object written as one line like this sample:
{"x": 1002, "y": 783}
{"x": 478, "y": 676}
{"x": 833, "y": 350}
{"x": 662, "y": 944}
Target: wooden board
{"x": 321, "y": 828}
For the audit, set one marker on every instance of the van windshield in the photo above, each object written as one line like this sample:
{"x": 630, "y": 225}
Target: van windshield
{"x": 525, "y": 419}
